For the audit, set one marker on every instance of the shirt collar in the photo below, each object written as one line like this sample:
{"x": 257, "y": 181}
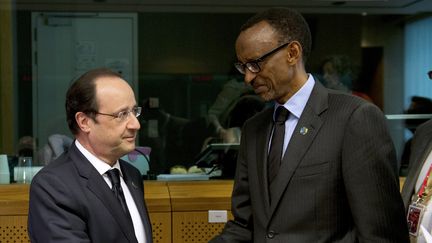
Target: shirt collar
{"x": 297, "y": 102}
{"x": 100, "y": 165}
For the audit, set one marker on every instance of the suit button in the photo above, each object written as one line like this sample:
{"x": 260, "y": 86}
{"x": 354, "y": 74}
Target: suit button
{"x": 270, "y": 234}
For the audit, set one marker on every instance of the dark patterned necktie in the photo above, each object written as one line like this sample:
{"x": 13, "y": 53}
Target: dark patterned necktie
{"x": 276, "y": 147}
{"x": 114, "y": 176}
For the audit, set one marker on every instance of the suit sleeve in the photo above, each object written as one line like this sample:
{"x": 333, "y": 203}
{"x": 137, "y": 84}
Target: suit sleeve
{"x": 370, "y": 178}
{"x": 53, "y": 214}
{"x": 240, "y": 229}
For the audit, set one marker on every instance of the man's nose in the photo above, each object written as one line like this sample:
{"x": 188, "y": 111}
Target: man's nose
{"x": 133, "y": 123}
{"x": 249, "y": 76}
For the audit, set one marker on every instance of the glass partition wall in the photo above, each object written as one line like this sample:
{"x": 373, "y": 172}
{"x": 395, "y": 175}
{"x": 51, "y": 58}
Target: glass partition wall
{"x": 180, "y": 65}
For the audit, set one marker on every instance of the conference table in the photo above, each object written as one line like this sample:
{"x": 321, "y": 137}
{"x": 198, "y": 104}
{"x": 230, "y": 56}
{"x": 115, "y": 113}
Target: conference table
{"x": 179, "y": 210}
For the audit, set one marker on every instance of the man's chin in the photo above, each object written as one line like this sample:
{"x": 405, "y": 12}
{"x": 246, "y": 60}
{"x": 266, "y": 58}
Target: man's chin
{"x": 266, "y": 96}
{"x": 131, "y": 147}
{"x": 128, "y": 146}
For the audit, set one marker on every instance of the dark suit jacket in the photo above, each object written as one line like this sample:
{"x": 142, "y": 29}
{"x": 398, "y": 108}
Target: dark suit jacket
{"x": 337, "y": 182}
{"x": 421, "y": 145}
{"x": 71, "y": 202}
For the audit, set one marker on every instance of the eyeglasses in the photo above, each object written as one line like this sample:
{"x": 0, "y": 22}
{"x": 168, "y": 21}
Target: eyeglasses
{"x": 123, "y": 115}
{"x": 253, "y": 66}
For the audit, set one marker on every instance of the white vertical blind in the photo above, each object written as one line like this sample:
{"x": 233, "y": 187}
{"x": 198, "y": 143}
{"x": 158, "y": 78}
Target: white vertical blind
{"x": 418, "y": 59}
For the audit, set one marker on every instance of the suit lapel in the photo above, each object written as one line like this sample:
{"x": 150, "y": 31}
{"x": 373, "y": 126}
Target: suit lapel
{"x": 263, "y": 136}
{"x": 300, "y": 142}
{"x": 97, "y": 185}
{"x": 135, "y": 186}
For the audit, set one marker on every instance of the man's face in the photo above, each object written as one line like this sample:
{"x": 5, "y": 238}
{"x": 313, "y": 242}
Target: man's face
{"x": 274, "y": 81}
{"x": 109, "y": 137}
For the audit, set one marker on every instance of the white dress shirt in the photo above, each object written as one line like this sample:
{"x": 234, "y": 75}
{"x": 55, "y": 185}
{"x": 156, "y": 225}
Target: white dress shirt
{"x": 295, "y": 105}
{"x": 102, "y": 168}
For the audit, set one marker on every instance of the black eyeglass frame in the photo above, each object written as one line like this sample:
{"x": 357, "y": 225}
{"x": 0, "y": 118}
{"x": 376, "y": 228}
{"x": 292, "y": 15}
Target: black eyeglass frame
{"x": 253, "y": 65}
{"x": 123, "y": 115}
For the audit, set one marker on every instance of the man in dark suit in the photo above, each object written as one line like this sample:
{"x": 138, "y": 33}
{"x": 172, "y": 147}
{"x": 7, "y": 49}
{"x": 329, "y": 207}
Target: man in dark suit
{"x": 88, "y": 194}
{"x": 419, "y": 163}
{"x": 335, "y": 180}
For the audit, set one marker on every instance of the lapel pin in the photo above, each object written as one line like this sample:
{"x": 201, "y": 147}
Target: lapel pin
{"x": 133, "y": 185}
{"x": 304, "y": 130}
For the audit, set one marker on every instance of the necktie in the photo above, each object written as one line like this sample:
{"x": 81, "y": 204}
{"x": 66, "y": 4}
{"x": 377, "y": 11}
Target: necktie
{"x": 114, "y": 176}
{"x": 275, "y": 155}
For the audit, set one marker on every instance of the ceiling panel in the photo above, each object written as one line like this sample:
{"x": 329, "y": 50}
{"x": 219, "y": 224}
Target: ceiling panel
{"x": 308, "y": 6}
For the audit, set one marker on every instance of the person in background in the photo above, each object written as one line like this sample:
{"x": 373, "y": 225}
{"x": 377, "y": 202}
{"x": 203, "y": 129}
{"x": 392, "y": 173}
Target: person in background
{"x": 26, "y": 146}
{"x": 418, "y": 105}
{"x": 337, "y": 73}
{"x": 416, "y": 189}
{"x": 57, "y": 144}
{"x": 180, "y": 140}
{"x": 320, "y": 165}
{"x": 226, "y": 99}
{"x": 88, "y": 194}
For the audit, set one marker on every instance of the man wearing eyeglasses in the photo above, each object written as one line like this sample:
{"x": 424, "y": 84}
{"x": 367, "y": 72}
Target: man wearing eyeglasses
{"x": 320, "y": 165}
{"x": 88, "y": 194}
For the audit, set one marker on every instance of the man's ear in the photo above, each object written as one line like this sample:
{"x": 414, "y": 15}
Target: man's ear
{"x": 83, "y": 121}
{"x": 294, "y": 52}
